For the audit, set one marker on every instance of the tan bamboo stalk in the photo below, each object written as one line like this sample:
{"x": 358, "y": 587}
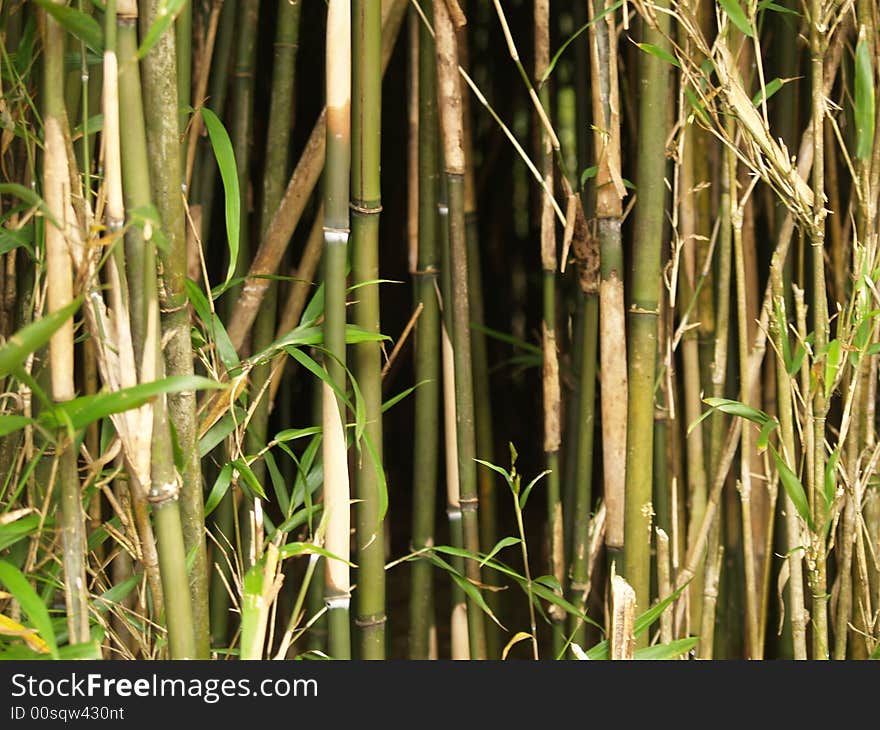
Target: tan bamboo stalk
{"x": 59, "y": 280}
{"x": 609, "y": 209}
{"x": 336, "y": 236}
{"x": 452, "y": 134}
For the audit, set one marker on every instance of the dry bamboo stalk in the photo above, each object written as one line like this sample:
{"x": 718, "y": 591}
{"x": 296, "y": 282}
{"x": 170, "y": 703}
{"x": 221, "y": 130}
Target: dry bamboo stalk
{"x": 623, "y": 610}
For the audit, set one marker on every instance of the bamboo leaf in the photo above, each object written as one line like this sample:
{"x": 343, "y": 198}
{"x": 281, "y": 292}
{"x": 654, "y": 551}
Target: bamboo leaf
{"x": 10, "y": 423}
{"x": 659, "y": 52}
{"x": 30, "y": 603}
{"x": 672, "y": 650}
{"x": 768, "y": 91}
{"x": 515, "y": 639}
{"x": 394, "y": 400}
{"x": 793, "y": 488}
{"x": 77, "y": 23}
{"x": 501, "y": 471}
{"x": 250, "y": 479}
{"x": 528, "y": 490}
{"x": 222, "y": 147}
{"x": 776, "y": 8}
{"x": 737, "y": 17}
{"x": 764, "y": 437}
{"x": 499, "y": 546}
{"x": 19, "y": 238}
{"x": 735, "y": 408}
{"x": 864, "y": 100}
{"x": 13, "y": 532}
{"x": 832, "y": 365}
{"x": 699, "y": 109}
{"x": 218, "y": 491}
{"x": 32, "y": 337}
{"x": 293, "y": 549}
{"x": 9, "y": 627}
{"x": 168, "y": 10}
{"x": 213, "y": 324}
{"x": 292, "y": 434}
{"x": 80, "y": 412}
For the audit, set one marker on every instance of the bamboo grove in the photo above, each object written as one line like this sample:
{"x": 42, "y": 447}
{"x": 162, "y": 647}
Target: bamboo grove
{"x": 527, "y": 329}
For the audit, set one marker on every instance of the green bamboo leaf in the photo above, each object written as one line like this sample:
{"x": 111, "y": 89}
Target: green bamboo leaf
{"x": 499, "y": 546}
{"x": 250, "y": 479}
{"x": 528, "y": 490}
{"x": 699, "y": 109}
{"x": 218, "y": 491}
{"x": 764, "y": 437}
{"x": 80, "y": 412}
{"x": 77, "y": 23}
{"x": 735, "y": 408}
{"x": 394, "y": 400}
{"x": 10, "y": 423}
{"x": 830, "y": 486}
{"x": 738, "y": 17}
{"x": 11, "y": 239}
{"x": 212, "y": 322}
{"x": 466, "y": 586}
{"x": 220, "y": 431}
{"x": 659, "y": 52}
{"x": 501, "y": 471}
{"x": 864, "y": 101}
{"x": 168, "y": 10}
{"x": 222, "y": 147}
{"x": 832, "y": 365}
{"x": 793, "y": 488}
{"x": 118, "y": 593}
{"x": 292, "y": 434}
{"x": 293, "y": 549}
{"x": 776, "y": 8}
{"x": 87, "y": 650}
{"x": 18, "y": 530}
{"x": 672, "y": 650}
{"x": 300, "y": 517}
{"x": 32, "y": 337}
{"x": 768, "y": 91}
{"x": 30, "y": 603}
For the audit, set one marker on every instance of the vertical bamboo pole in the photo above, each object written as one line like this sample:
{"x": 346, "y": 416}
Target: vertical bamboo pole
{"x": 366, "y": 204}
{"x": 59, "y": 279}
{"x": 550, "y": 375}
{"x": 609, "y": 209}
{"x": 163, "y": 489}
{"x": 161, "y": 110}
{"x": 336, "y": 233}
{"x": 819, "y": 614}
{"x": 643, "y": 311}
{"x": 427, "y": 356}
{"x": 449, "y": 99}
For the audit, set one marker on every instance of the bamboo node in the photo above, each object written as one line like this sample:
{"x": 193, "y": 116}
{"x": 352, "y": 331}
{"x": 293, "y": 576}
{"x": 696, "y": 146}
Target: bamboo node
{"x": 162, "y": 493}
{"x": 469, "y": 504}
{"x": 365, "y": 622}
{"x": 332, "y": 602}
{"x": 366, "y": 208}
{"x": 430, "y": 270}
{"x": 639, "y": 310}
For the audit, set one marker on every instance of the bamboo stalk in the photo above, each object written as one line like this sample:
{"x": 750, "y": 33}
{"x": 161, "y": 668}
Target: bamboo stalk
{"x": 427, "y": 357}
{"x": 550, "y": 375}
{"x": 643, "y": 313}
{"x": 166, "y": 174}
{"x": 299, "y": 189}
{"x": 819, "y": 614}
{"x": 366, "y": 204}
{"x": 451, "y": 132}
{"x": 336, "y": 235}
{"x": 163, "y": 485}
{"x": 609, "y": 210}
{"x": 59, "y": 279}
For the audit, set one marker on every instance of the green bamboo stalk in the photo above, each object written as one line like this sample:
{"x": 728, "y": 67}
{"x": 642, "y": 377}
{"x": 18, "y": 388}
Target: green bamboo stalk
{"x": 183, "y": 44}
{"x": 366, "y": 204}
{"x": 643, "y": 312}
{"x": 274, "y": 175}
{"x": 452, "y": 135}
{"x": 580, "y": 557}
{"x": 59, "y": 277}
{"x": 427, "y": 357}
{"x": 819, "y": 614}
{"x": 161, "y": 111}
{"x": 486, "y": 479}
{"x": 336, "y": 234}
{"x": 164, "y": 487}
{"x": 298, "y": 192}
{"x": 550, "y": 379}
